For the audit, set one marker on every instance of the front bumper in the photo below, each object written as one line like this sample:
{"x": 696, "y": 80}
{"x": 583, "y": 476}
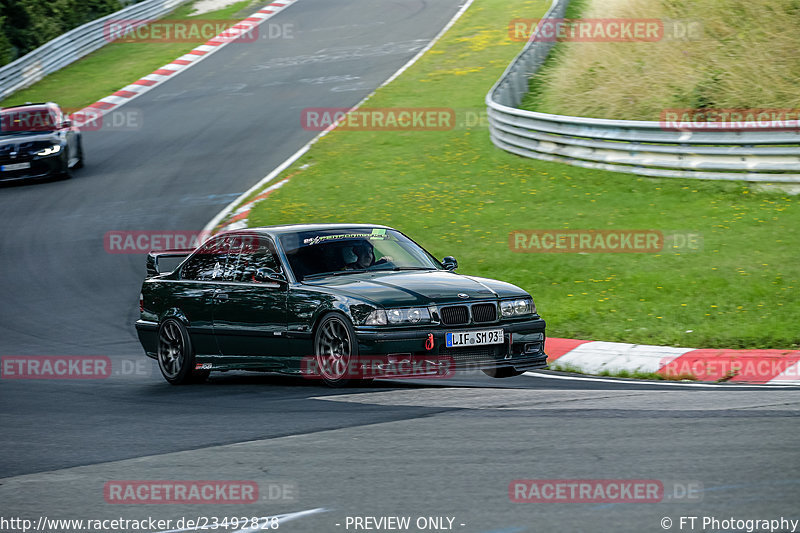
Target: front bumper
{"x": 40, "y": 167}
{"x": 522, "y": 349}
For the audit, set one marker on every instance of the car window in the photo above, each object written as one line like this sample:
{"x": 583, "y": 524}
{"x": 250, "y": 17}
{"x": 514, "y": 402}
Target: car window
{"x": 231, "y": 259}
{"x": 401, "y": 254}
{"x": 256, "y": 252}
{"x": 339, "y": 250}
{"x": 208, "y": 262}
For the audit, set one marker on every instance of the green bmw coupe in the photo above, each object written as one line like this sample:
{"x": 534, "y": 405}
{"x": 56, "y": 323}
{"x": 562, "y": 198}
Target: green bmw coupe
{"x": 337, "y": 302}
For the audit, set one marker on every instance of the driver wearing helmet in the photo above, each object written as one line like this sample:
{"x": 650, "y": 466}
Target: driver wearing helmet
{"x": 361, "y": 256}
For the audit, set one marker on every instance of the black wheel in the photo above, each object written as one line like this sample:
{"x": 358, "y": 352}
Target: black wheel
{"x": 336, "y": 351}
{"x": 79, "y": 164}
{"x": 175, "y": 354}
{"x": 66, "y": 172}
{"x": 503, "y": 372}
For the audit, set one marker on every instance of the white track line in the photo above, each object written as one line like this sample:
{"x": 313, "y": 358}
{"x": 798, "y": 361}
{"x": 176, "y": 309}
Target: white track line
{"x": 269, "y": 177}
{"x": 657, "y": 383}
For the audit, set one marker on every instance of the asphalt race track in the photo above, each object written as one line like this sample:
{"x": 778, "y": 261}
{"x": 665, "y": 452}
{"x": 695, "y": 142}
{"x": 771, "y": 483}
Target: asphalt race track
{"x": 433, "y": 448}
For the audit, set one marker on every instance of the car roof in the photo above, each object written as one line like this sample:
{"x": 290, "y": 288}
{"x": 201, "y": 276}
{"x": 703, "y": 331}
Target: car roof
{"x": 32, "y": 107}
{"x": 287, "y": 229}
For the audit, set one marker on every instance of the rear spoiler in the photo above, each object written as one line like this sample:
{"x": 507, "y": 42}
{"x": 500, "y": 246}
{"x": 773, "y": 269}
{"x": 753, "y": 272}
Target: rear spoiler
{"x": 153, "y": 257}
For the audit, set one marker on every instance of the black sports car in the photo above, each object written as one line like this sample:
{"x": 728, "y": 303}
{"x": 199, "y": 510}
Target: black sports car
{"x": 38, "y": 141}
{"x": 338, "y": 302}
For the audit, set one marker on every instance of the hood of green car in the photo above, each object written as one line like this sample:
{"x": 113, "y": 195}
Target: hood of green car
{"x": 399, "y": 289}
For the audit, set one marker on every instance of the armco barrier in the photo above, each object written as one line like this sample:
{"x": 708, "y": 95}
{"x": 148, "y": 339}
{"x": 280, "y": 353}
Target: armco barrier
{"x": 640, "y": 147}
{"x": 73, "y": 45}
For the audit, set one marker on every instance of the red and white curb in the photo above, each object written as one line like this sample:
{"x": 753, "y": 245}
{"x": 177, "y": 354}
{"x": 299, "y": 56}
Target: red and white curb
{"x": 96, "y": 110}
{"x": 239, "y": 217}
{"x": 734, "y": 366}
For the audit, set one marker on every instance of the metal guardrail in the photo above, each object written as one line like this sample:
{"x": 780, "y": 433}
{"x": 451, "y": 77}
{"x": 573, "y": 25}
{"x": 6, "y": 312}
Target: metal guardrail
{"x": 73, "y": 45}
{"x": 640, "y": 147}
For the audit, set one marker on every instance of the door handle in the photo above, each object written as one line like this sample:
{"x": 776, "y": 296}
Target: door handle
{"x": 221, "y": 296}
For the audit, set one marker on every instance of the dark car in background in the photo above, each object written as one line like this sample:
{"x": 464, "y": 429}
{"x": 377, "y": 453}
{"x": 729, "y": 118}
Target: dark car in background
{"x": 38, "y": 141}
{"x": 339, "y": 302}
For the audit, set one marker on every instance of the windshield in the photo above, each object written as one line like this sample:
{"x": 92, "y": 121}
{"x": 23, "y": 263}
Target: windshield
{"x": 26, "y": 121}
{"x": 335, "y": 252}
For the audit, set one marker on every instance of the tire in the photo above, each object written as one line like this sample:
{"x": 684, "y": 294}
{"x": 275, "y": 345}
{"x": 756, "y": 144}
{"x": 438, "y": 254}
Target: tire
{"x": 66, "y": 172}
{"x": 175, "y": 354}
{"x": 503, "y": 372}
{"x": 336, "y": 351}
{"x": 79, "y": 164}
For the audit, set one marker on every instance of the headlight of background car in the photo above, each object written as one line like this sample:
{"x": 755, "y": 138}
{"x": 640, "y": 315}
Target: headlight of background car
{"x": 520, "y": 307}
{"x": 413, "y": 315}
{"x": 50, "y": 151}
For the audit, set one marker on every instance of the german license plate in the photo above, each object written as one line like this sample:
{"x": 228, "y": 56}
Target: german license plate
{"x": 16, "y": 166}
{"x": 483, "y": 337}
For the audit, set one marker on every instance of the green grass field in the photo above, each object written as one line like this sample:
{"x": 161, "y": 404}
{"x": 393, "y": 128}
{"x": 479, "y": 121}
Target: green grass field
{"x": 736, "y": 54}
{"x": 118, "y": 64}
{"x": 457, "y": 194}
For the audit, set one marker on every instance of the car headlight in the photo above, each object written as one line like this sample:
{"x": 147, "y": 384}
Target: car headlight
{"x": 520, "y": 307}
{"x": 376, "y": 318}
{"x": 412, "y": 315}
{"x": 50, "y": 151}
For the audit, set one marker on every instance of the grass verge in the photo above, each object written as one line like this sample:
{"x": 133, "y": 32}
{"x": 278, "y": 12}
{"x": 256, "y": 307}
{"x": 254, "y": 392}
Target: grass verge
{"x": 737, "y": 54}
{"x": 456, "y": 194}
{"x": 118, "y": 64}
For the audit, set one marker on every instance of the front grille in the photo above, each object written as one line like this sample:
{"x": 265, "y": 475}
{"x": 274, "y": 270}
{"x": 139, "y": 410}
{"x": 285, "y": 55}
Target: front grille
{"x": 21, "y": 158}
{"x": 484, "y": 313}
{"x": 454, "y": 315}
{"x": 467, "y": 356}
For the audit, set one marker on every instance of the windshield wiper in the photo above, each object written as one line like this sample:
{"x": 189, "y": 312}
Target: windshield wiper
{"x": 413, "y": 268}
{"x": 336, "y": 273}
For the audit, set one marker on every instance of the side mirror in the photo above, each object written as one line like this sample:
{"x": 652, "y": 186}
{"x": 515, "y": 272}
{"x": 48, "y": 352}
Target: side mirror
{"x": 66, "y": 124}
{"x": 267, "y": 274}
{"x": 450, "y": 263}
